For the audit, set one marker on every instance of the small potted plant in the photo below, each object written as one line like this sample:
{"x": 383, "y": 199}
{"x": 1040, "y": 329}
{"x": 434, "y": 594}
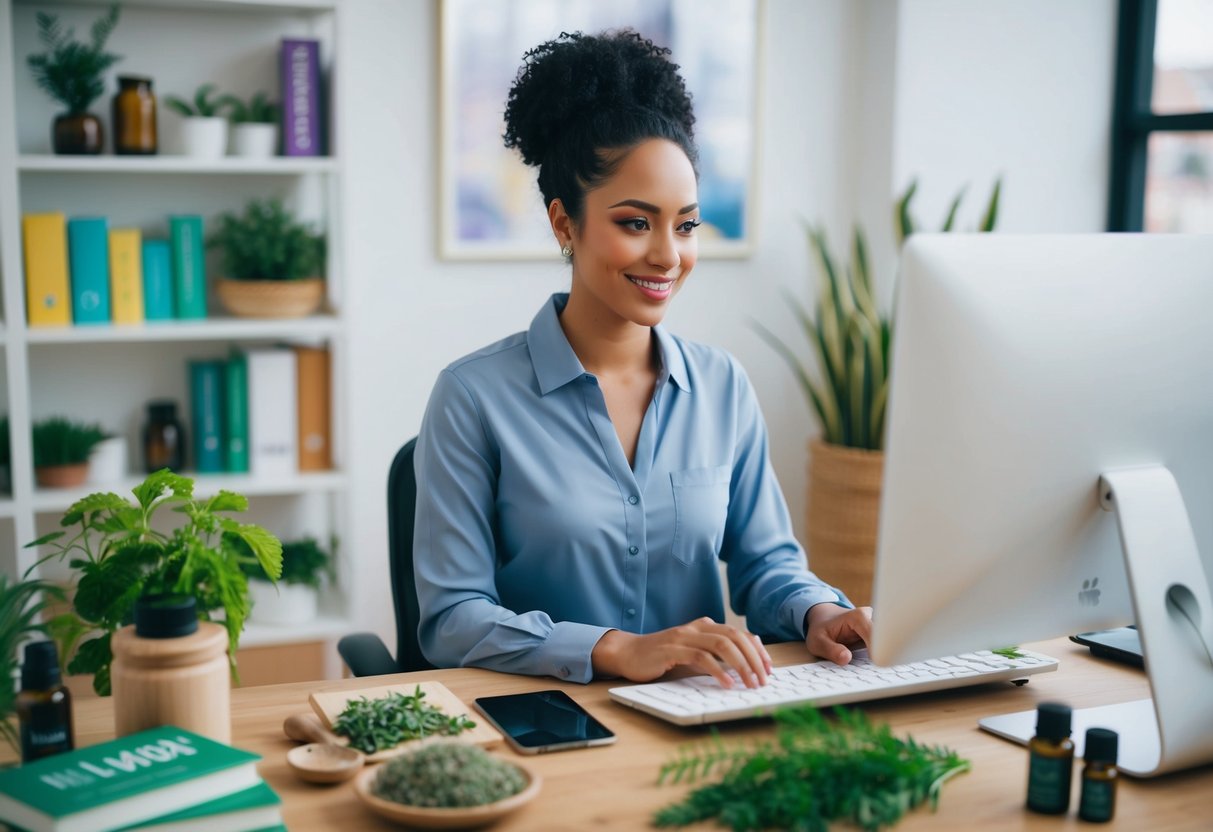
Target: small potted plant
{"x": 254, "y": 126}
{"x": 71, "y": 73}
{"x": 294, "y": 600}
{"x": 271, "y": 263}
{"x": 20, "y": 606}
{"x": 61, "y": 451}
{"x": 203, "y": 130}
{"x": 119, "y": 556}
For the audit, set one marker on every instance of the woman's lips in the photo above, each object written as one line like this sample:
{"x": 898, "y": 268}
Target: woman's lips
{"x": 653, "y": 288}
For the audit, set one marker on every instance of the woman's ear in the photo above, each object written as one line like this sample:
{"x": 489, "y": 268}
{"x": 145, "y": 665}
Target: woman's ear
{"x": 562, "y": 224}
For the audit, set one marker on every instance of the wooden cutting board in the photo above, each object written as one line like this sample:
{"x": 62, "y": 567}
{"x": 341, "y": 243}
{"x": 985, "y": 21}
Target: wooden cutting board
{"x": 328, "y": 705}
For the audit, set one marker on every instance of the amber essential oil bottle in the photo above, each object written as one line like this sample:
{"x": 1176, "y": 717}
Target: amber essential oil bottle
{"x": 44, "y": 705}
{"x": 1097, "y": 803}
{"x": 1050, "y": 760}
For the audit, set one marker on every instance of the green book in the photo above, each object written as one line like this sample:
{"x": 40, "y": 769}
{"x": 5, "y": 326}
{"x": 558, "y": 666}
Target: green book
{"x": 235, "y": 407}
{"x": 125, "y": 781}
{"x": 189, "y": 266}
{"x": 251, "y": 809}
{"x": 206, "y": 409}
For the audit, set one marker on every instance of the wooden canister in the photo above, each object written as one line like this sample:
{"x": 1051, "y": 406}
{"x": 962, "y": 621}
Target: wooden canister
{"x": 171, "y": 669}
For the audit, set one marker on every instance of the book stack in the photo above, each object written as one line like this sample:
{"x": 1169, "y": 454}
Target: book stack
{"x": 165, "y": 779}
{"x": 262, "y": 411}
{"x": 80, "y": 271}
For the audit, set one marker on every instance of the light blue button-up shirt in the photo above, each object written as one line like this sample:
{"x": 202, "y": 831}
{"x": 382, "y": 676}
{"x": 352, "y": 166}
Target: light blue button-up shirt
{"x": 535, "y": 536}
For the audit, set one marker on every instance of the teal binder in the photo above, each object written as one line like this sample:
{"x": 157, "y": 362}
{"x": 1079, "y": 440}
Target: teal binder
{"x": 189, "y": 266}
{"x": 157, "y": 280}
{"x": 89, "y": 258}
{"x": 206, "y": 407}
{"x": 235, "y": 408}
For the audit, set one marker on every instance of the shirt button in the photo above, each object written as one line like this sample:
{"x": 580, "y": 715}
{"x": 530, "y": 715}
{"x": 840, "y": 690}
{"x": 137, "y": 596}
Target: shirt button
{"x": 564, "y": 673}
{"x": 589, "y": 378}
{"x": 633, "y": 550}
{"x": 633, "y": 499}
{"x": 630, "y": 611}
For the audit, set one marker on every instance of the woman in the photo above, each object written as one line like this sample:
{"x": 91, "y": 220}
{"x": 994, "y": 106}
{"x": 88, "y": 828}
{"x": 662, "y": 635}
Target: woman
{"x": 579, "y": 481}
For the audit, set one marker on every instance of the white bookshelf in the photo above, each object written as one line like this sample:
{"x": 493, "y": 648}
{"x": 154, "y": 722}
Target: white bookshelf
{"x": 107, "y": 373}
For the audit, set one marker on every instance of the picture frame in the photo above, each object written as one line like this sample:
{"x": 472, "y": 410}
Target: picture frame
{"x": 490, "y": 207}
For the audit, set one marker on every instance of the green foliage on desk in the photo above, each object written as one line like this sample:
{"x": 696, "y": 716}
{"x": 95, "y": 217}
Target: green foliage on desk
{"x": 448, "y": 775}
{"x": 21, "y": 602}
{"x": 816, "y": 772}
{"x": 378, "y": 724}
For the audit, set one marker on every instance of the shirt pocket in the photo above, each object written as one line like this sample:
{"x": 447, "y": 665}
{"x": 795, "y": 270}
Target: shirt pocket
{"x": 701, "y": 506}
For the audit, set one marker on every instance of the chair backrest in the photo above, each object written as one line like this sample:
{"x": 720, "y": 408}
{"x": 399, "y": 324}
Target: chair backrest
{"x": 401, "y": 508}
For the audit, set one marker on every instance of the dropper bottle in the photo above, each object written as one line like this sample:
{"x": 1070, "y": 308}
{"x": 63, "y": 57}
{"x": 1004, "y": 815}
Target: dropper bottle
{"x": 44, "y": 705}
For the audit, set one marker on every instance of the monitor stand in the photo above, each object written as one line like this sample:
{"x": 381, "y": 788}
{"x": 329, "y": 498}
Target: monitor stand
{"x": 1171, "y": 599}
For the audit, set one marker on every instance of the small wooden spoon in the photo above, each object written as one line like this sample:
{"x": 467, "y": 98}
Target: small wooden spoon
{"x": 325, "y": 759}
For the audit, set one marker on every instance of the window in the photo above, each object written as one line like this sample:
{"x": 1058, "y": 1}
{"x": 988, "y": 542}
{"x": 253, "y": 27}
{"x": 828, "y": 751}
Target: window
{"x": 1162, "y": 122}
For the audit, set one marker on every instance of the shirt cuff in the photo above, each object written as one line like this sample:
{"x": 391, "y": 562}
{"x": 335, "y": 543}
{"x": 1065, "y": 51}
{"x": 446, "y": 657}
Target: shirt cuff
{"x": 567, "y": 650}
{"x": 792, "y": 613}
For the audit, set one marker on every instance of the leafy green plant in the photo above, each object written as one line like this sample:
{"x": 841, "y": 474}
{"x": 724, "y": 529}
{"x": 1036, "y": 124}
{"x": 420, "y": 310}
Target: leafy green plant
{"x": 20, "y": 606}
{"x": 204, "y": 106}
{"x": 375, "y": 724}
{"x": 257, "y": 110}
{"x": 70, "y": 71}
{"x": 121, "y": 558}
{"x": 266, "y": 243}
{"x": 850, "y": 336}
{"x": 60, "y": 441}
{"x": 448, "y": 775}
{"x": 304, "y": 562}
{"x": 815, "y": 773}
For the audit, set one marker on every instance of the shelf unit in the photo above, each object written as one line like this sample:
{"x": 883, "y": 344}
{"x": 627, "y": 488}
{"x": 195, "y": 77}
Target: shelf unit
{"x": 106, "y": 373}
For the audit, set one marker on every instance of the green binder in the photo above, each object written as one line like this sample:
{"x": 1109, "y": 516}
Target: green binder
{"x": 189, "y": 266}
{"x": 235, "y": 407}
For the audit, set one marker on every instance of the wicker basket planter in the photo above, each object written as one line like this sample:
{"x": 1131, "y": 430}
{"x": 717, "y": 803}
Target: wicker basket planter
{"x": 843, "y": 508}
{"x": 271, "y": 298}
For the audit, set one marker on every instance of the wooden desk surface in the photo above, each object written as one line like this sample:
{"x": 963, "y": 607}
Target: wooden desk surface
{"x": 614, "y": 787}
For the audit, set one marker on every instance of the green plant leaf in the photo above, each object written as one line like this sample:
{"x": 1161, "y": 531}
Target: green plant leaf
{"x": 92, "y": 655}
{"x": 154, "y": 487}
{"x": 950, "y": 220}
{"x": 903, "y": 222}
{"x": 203, "y": 105}
{"x": 828, "y": 417}
{"x": 990, "y": 218}
{"x": 90, "y": 505}
{"x": 108, "y": 589}
{"x": 227, "y": 501}
{"x": 42, "y": 541}
{"x": 265, "y": 547}
{"x": 179, "y": 105}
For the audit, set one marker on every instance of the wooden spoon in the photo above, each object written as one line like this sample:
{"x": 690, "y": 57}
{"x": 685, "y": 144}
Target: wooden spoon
{"x": 325, "y": 759}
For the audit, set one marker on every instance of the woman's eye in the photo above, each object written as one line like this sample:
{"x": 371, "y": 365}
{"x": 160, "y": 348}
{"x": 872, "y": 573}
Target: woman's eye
{"x": 635, "y": 224}
{"x": 689, "y": 226}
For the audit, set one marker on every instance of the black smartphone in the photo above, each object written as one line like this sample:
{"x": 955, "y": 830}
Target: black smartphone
{"x": 542, "y": 721}
{"x": 1121, "y": 644}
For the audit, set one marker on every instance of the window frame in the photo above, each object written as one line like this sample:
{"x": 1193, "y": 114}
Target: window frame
{"x": 1133, "y": 121}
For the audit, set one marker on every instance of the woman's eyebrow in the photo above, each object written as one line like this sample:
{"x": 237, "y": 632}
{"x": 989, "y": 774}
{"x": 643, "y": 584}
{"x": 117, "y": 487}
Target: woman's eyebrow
{"x": 650, "y": 207}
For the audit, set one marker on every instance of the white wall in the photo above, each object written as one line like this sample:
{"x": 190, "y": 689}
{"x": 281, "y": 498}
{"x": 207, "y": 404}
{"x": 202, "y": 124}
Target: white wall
{"x": 856, "y": 97}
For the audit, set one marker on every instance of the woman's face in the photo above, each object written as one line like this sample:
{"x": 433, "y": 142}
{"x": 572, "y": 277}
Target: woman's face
{"x": 635, "y": 245}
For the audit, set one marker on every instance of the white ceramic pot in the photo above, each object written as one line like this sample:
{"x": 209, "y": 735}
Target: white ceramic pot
{"x": 107, "y": 462}
{"x": 281, "y": 604}
{"x": 204, "y": 138}
{"x": 254, "y": 141}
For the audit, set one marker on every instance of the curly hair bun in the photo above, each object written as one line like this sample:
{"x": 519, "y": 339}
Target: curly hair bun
{"x": 577, "y": 78}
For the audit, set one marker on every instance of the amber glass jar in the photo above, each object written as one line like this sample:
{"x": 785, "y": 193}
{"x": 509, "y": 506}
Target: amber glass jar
{"x": 134, "y": 116}
{"x": 163, "y": 438}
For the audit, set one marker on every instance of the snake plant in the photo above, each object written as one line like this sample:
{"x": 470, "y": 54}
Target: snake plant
{"x": 849, "y": 334}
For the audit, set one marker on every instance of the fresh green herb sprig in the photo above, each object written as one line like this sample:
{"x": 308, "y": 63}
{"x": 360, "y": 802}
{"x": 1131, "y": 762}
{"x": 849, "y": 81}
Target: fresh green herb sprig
{"x": 447, "y": 775}
{"x": 375, "y": 724}
{"x": 816, "y": 772}
{"x": 1008, "y": 652}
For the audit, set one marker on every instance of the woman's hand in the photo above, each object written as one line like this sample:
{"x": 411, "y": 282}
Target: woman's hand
{"x": 834, "y": 630}
{"x": 702, "y": 645}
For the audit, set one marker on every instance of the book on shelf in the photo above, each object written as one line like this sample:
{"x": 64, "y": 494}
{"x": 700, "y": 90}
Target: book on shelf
{"x": 48, "y": 300}
{"x": 255, "y": 808}
{"x": 126, "y": 275}
{"x": 125, "y": 781}
{"x": 235, "y": 411}
{"x": 88, "y": 254}
{"x": 206, "y": 408}
{"x": 272, "y": 412}
{"x": 189, "y": 266}
{"x": 157, "y": 280}
{"x": 315, "y": 413}
{"x": 301, "y": 107}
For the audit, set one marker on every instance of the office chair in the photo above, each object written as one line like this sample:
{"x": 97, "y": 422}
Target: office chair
{"x": 365, "y": 653}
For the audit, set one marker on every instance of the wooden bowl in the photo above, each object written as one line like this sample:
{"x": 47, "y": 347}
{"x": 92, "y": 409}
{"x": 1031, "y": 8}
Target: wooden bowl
{"x": 469, "y": 817}
{"x": 271, "y": 298}
{"x": 319, "y": 762}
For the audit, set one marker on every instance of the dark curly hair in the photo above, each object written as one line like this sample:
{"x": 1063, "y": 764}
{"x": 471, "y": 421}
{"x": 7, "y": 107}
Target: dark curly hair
{"x": 579, "y": 99}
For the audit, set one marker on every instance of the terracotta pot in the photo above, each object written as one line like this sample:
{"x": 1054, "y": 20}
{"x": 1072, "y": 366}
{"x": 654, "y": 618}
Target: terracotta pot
{"x": 61, "y": 476}
{"x": 271, "y": 298}
{"x": 843, "y": 510}
{"x": 77, "y": 134}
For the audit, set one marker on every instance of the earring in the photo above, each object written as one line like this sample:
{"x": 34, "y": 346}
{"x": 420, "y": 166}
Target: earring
{"x": 567, "y": 251}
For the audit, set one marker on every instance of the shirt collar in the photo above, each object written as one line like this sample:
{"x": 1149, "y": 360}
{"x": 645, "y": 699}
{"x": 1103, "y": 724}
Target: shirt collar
{"x": 556, "y": 364}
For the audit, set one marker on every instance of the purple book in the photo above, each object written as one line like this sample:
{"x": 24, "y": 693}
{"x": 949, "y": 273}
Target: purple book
{"x": 300, "y": 97}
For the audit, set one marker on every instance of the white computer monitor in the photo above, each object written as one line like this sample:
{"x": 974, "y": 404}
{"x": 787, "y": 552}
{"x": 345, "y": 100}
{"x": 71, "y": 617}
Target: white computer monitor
{"x": 1049, "y": 463}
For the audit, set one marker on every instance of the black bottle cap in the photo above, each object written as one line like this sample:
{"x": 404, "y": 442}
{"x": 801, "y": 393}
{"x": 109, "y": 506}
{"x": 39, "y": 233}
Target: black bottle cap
{"x": 40, "y": 669}
{"x": 1101, "y": 745}
{"x": 1052, "y": 720}
{"x": 162, "y": 411}
{"x": 166, "y": 616}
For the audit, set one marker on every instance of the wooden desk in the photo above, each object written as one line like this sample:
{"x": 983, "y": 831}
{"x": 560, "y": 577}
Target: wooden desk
{"x": 614, "y": 787}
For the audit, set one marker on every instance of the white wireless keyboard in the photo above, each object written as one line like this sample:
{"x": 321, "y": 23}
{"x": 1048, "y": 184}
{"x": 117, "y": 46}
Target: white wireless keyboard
{"x": 699, "y": 699}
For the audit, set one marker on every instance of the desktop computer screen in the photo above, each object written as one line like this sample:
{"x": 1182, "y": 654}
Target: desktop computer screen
{"x": 1050, "y": 409}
